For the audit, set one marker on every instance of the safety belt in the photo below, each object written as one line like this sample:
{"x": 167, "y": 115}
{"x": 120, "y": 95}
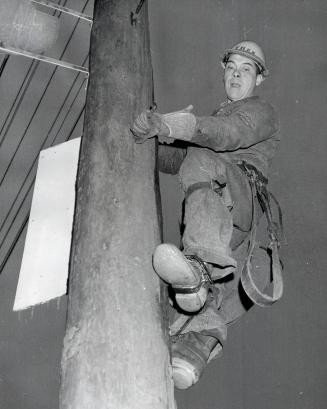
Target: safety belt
{"x": 259, "y": 189}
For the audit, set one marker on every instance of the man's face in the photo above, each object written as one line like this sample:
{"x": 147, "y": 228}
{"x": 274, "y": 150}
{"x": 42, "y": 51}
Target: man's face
{"x": 240, "y": 77}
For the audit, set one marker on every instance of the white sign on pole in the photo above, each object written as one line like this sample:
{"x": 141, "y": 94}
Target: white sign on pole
{"x": 44, "y": 269}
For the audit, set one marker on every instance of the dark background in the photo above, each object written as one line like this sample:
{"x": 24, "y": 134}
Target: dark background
{"x": 274, "y": 358}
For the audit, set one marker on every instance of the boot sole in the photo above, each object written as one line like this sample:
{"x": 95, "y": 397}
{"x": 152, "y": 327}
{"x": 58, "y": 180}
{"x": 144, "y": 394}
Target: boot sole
{"x": 184, "y": 373}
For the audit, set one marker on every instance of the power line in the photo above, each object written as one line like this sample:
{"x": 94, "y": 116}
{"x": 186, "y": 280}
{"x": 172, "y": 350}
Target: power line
{"x": 25, "y": 220}
{"x": 45, "y": 140}
{"x": 3, "y": 64}
{"x": 40, "y": 101}
{"x": 63, "y": 9}
{"x": 12, "y": 113}
{"x": 13, "y": 244}
{"x": 24, "y": 84}
{"x": 19, "y": 97}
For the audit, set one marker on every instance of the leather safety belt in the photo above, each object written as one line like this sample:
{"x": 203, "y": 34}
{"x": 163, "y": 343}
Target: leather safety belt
{"x": 258, "y": 187}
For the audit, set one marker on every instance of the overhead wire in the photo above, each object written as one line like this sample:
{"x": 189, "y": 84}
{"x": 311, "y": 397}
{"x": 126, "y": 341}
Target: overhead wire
{"x": 13, "y": 243}
{"x": 59, "y": 12}
{"x": 18, "y": 99}
{"x": 24, "y": 86}
{"x": 26, "y": 218}
{"x": 30, "y": 188}
{"x": 43, "y": 145}
{"x": 4, "y": 63}
{"x": 23, "y": 224}
{"x": 40, "y": 101}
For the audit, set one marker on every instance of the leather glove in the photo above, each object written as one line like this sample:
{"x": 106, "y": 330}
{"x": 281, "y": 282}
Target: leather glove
{"x": 174, "y": 125}
{"x": 147, "y": 125}
{"x": 181, "y": 124}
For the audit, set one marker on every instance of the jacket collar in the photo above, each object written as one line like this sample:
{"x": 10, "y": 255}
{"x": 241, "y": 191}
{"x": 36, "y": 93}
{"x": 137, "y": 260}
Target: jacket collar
{"x": 239, "y": 102}
{"x": 229, "y": 106}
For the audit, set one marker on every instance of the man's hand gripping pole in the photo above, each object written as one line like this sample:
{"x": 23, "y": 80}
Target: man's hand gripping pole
{"x": 176, "y": 125}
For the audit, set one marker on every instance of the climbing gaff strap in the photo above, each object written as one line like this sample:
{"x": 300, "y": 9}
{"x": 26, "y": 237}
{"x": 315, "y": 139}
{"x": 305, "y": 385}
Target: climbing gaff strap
{"x": 205, "y": 278}
{"x": 259, "y": 189}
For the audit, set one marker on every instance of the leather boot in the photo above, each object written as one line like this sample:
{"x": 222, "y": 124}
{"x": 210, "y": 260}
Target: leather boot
{"x": 188, "y": 275}
{"x": 190, "y": 354}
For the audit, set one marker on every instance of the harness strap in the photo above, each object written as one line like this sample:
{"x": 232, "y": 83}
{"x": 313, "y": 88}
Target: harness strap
{"x": 196, "y": 186}
{"x": 259, "y": 189}
{"x": 249, "y": 286}
{"x": 215, "y": 185}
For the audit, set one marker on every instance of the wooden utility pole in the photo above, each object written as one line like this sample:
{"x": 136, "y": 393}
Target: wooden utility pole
{"x": 115, "y": 349}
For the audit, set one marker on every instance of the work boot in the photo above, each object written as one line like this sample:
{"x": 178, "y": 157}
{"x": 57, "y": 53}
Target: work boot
{"x": 190, "y": 354}
{"x": 188, "y": 275}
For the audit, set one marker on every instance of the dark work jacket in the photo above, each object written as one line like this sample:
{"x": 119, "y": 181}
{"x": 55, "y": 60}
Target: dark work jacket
{"x": 245, "y": 130}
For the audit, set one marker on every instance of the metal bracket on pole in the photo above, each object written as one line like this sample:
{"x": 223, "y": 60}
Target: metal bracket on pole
{"x": 49, "y": 60}
{"x": 63, "y": 9}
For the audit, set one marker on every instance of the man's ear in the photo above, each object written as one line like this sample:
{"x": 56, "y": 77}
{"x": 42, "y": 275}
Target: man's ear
{"x": 260, "y": 78}
{"x": 222, "y": 64}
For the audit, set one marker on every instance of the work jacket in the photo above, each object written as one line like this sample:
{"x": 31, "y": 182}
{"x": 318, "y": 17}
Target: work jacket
{"x": 245, "y": 130}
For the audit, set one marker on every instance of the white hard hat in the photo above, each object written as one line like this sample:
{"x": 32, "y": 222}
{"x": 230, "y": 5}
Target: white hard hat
{"x": 251, "y": 50}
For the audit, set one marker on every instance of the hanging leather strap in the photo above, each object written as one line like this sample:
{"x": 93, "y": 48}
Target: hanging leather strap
{"x": 259, "y": 190}
{"x": 249, "y": 286}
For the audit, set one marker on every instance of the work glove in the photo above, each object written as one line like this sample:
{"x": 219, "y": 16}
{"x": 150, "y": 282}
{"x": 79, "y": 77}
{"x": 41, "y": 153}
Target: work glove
{"x": 175, "y": 125}
{"x": 147, "y": 125}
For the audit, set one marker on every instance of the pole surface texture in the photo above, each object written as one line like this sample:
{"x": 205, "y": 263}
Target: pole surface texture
{"x": 116, "y": 352}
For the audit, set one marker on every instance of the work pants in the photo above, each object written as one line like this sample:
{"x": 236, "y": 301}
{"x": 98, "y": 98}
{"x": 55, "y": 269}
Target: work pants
{"x": 217, "y": 222}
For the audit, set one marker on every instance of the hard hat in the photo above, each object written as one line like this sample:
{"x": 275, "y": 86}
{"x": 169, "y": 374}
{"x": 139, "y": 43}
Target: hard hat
{"x": 251, "y": 50}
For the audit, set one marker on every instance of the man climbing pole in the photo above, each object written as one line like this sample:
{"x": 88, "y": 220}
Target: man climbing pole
{"x": 222, "y": 162}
